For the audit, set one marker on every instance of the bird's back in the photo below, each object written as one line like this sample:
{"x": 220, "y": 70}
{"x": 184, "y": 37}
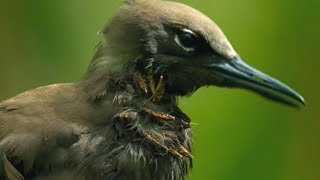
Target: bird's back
{"x": 36, "y": 127}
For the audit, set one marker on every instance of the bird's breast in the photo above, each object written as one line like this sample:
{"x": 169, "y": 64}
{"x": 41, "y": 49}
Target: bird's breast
{"x": 149, "y": 139}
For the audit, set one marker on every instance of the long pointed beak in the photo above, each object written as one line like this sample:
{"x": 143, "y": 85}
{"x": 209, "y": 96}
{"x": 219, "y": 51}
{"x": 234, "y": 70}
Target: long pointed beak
{"x": 236, "y": 73}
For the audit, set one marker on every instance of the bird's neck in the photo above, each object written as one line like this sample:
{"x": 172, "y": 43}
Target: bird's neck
{"x": 145, "y": 85}
{"x": 141, "y": 101}
{"x": 112, "y": 70}
{"x": 145, "y": 117}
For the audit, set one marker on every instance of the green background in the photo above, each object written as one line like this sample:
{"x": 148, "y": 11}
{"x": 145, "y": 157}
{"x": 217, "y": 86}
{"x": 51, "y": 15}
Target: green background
{"x": 238, "y": 135}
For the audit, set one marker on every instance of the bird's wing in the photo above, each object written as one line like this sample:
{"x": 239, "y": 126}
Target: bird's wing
{"x": 34, "y": 131}
{"x": 8, "y": 171}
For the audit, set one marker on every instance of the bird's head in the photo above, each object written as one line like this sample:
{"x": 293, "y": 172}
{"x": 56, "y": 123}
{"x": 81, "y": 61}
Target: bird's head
{"x": 178, "y": 42}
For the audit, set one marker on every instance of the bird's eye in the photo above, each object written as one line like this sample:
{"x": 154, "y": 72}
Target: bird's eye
{"x": 186, "y": 39}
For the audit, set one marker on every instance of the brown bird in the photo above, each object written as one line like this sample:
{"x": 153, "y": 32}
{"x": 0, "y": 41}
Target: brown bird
{"x": 122, "y": 120}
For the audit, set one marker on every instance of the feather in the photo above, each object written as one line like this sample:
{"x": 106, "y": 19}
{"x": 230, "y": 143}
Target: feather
{"x": 7, "y": 170}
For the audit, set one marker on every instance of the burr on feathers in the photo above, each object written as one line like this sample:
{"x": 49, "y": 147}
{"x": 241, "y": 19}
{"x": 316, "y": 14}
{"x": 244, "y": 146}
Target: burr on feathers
{"x": 122, "y": 120}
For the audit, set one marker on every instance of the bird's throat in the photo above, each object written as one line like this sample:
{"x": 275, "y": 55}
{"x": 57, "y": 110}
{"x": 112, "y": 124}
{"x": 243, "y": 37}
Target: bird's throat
{"x": 149, "y": 87}
{"x": 157, "y": 117}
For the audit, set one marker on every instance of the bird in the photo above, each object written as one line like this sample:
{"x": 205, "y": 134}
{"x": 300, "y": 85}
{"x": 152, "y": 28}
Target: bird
{"x": 121, "y": 120}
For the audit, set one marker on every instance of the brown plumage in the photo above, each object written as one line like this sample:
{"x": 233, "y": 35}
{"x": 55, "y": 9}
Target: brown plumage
{"x": 122, "y": 120}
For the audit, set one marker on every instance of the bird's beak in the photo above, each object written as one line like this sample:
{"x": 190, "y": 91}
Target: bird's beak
{"x": 236, "y": 73}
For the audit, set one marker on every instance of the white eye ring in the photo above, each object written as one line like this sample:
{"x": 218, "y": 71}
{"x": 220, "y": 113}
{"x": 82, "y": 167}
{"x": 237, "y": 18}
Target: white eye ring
{"x": 177, "y": 40}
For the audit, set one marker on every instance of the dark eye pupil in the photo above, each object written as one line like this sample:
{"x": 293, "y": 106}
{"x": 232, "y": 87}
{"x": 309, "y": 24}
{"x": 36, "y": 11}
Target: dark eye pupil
{"x": 187, "y": 39}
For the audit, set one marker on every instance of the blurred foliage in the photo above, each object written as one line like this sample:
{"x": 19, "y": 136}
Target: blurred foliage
{"x": 238, "y": 135}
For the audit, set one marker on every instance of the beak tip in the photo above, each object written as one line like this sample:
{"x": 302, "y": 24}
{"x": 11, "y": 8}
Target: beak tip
{"x": 303, "y": 102}
{"x": 299, "y": 101}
